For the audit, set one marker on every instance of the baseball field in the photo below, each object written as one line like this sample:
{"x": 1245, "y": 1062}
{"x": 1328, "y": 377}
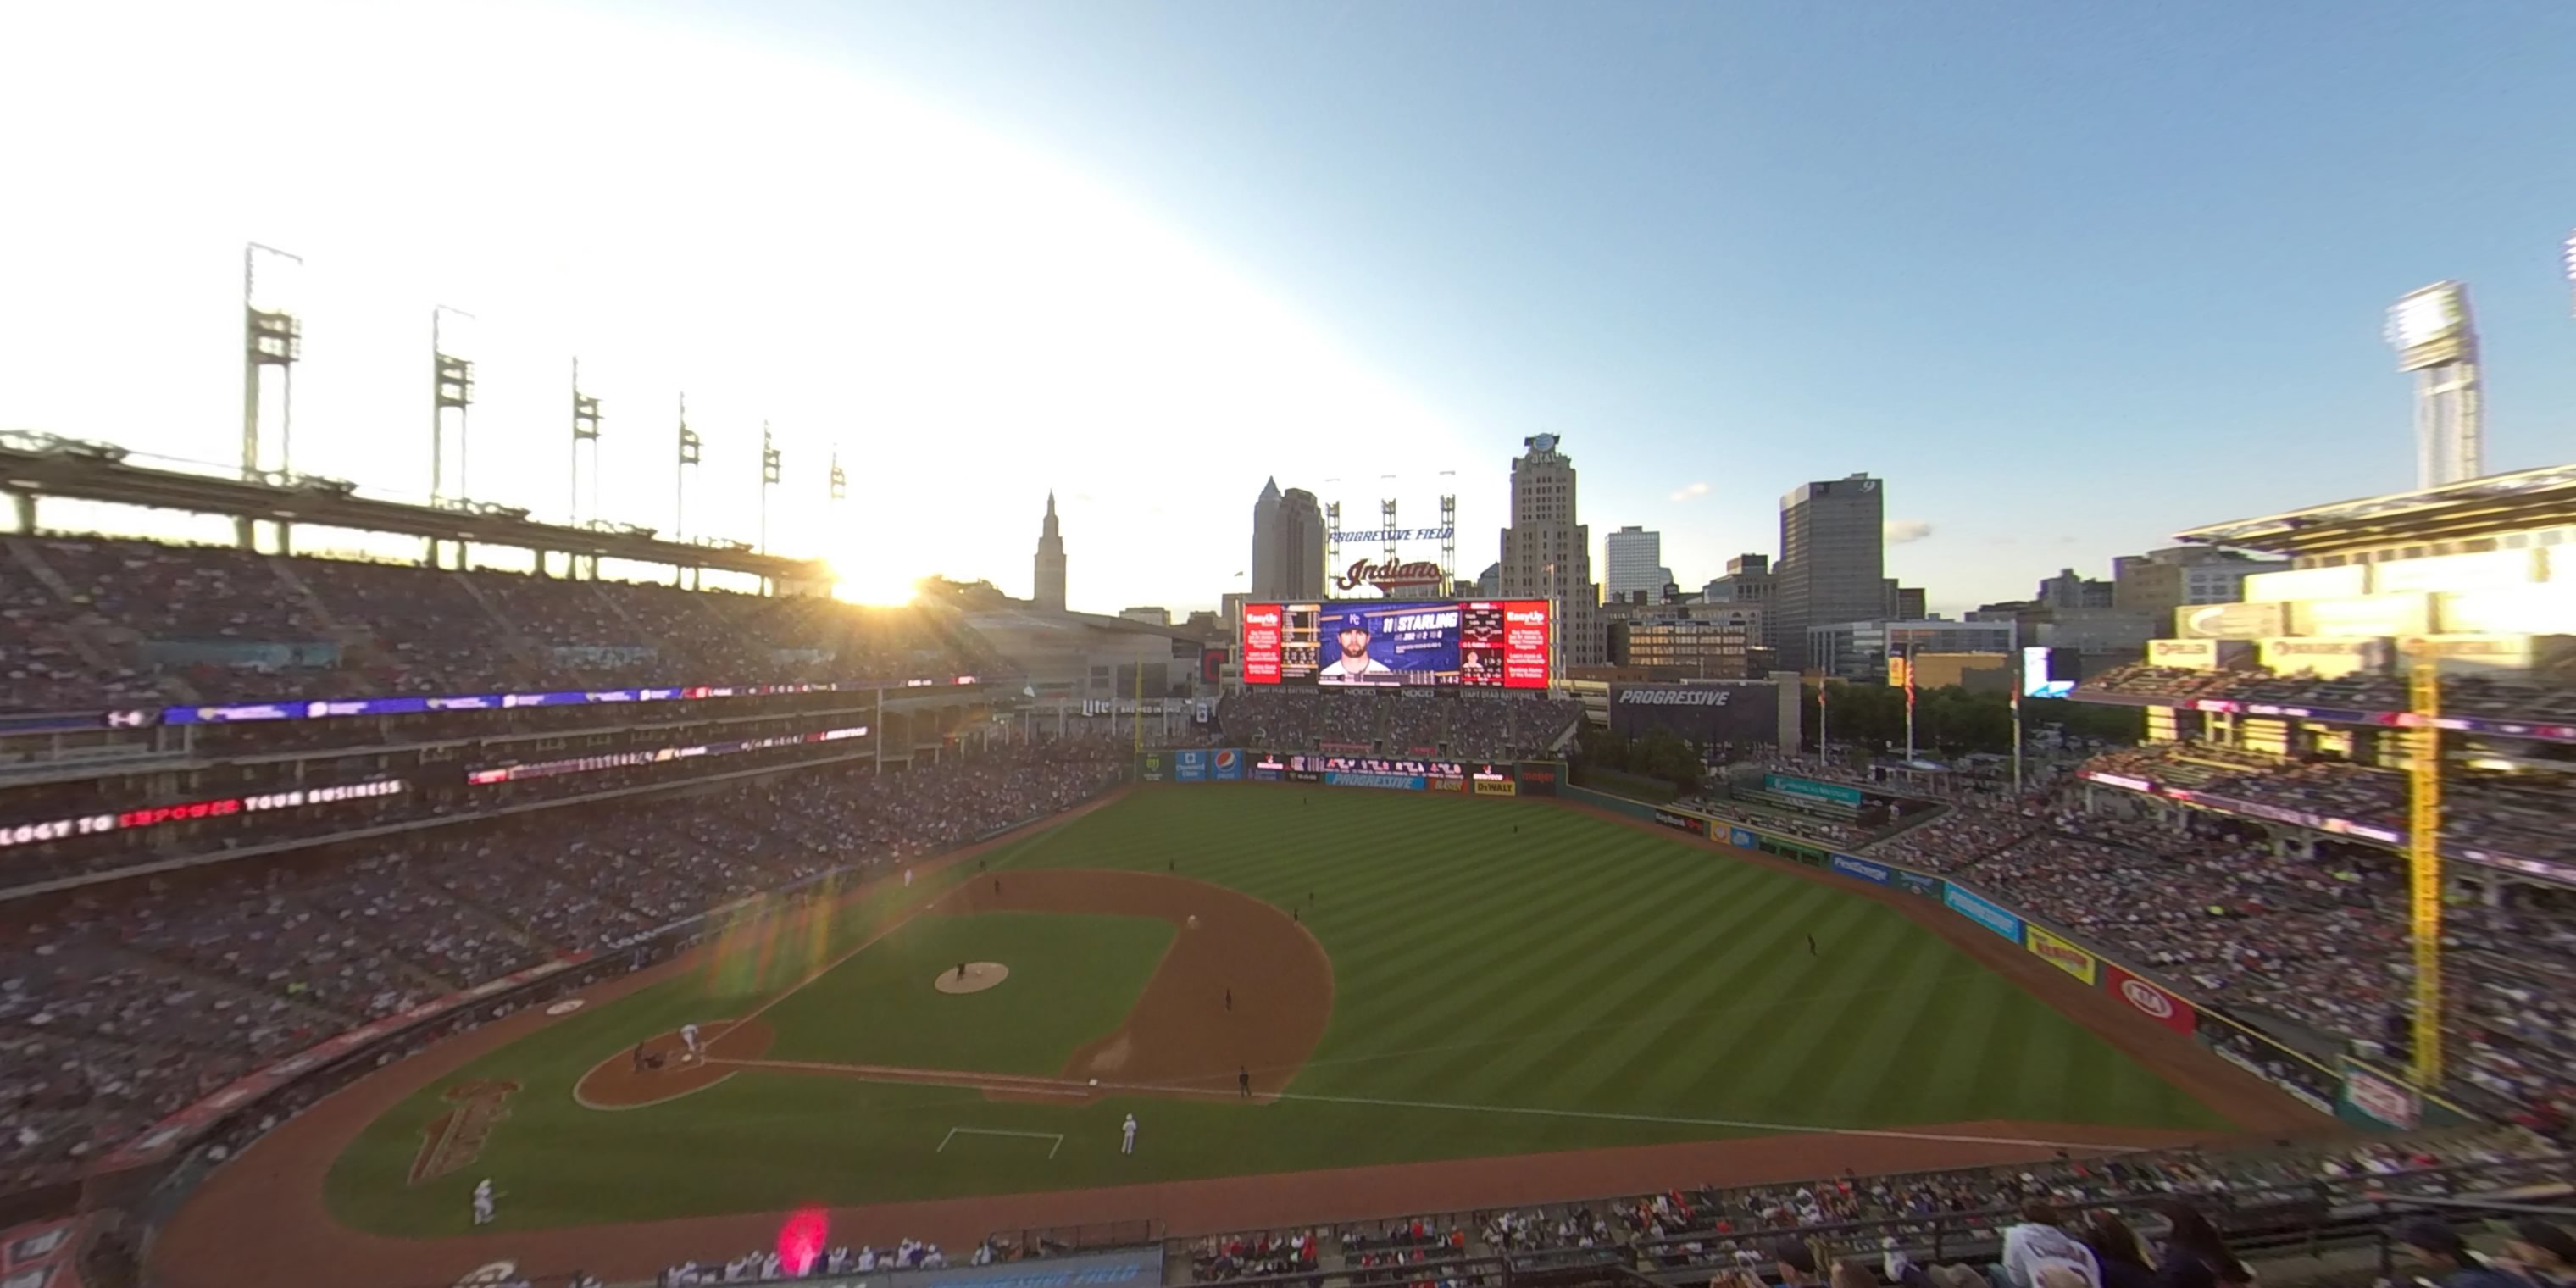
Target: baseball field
{"x": 1317, "y": 1004}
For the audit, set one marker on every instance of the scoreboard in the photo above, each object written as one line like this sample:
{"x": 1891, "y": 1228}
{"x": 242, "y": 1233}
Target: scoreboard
{"x": 1378, "y": 643}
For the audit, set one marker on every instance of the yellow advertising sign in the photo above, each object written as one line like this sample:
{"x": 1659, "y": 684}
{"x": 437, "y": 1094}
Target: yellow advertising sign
{"x": 1488, "y": 787}
{"x": 2061, "y": 954}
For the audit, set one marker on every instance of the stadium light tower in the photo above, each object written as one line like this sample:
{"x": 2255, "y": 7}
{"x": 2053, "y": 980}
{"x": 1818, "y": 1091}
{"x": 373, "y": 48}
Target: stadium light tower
{"x": 768, "y": 480}
{"x": 585, "y": 429}
{"x": 2435, "y": 339}
{"x": 1448, "y": 532}
{"x": 451, "y": 386}
{"x": 271, "y": 337}
{"x": 687, "y": 464}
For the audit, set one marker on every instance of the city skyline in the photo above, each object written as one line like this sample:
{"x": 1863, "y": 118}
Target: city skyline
{"x": 1719, "y": 252}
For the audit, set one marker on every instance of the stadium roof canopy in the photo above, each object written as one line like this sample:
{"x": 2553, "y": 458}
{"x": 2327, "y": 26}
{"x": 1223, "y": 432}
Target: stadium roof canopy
{"x": 40, "y": 464}
{"x": 2491, "y": 506}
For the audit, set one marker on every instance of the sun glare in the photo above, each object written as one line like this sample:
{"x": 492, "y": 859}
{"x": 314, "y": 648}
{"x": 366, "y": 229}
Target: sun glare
{"x": 857, "y": 581}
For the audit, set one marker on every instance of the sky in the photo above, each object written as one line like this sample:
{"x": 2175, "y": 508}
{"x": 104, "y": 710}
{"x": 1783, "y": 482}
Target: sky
{"x": 2069, "y": 277}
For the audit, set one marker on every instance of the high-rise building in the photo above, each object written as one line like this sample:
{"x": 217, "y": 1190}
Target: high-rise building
{"x": 1049, "y": 592}
{"x": 1287, "y": 545}
{"x": 2163, "y": 580}
{"x": 1747, "y": 581}
{"x": 1548, "y": 555}
{"x": 1904, "y": 603}
{"x": 2066, "y": 590}
{"x": 1635, "y": 559}
{"x": 1833, "y": 561}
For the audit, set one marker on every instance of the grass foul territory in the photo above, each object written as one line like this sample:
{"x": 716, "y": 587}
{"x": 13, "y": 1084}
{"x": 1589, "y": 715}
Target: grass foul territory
{"x": 1269, "y": 979}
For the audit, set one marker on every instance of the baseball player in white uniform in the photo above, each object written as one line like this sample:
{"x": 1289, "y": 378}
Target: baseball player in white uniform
{"x": 1127, "y": 1136}
{"x": 483, "y": 1201}
{"x": 907, "y": 878}
{"x": 689, "y": 1039}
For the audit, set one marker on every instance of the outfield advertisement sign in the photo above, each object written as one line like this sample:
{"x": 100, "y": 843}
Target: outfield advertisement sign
{"x": 1189, "y": 766}
{"x": 1992, "y": 916}
{"x": 1225, "y": 765}
{"x": 1269, "y": 768}
{"x": 1496, "y": 780}
{"x": 2150, "y": 1000}
{"x": 1808, "y": 789}
{"x": 1539, "y": 777}
{"x": 1917, "y": 883}
{"x": 1742, "y": 838}
{"x": 2061, "y": 953}
{"x": 1873, "y": 873}
{"x": 1691, "y": 823}
{"x": 1392, "y": 782}
{"x": 2377, "y": 1102}
{"x": 1152, "y": 769}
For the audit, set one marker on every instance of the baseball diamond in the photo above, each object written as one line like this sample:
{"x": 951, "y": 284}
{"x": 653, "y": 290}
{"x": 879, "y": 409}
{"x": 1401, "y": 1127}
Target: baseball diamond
{"x": 1386, "y": 999}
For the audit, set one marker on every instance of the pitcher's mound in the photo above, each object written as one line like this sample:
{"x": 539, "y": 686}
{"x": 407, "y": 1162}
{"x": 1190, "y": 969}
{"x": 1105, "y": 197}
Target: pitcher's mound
{"x": 978, "y": 977}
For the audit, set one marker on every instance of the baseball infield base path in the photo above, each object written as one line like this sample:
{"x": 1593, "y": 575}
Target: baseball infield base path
{"x": 262, "y": 1220}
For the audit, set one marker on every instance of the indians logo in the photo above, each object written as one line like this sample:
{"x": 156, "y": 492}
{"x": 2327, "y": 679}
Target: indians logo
{"x": 455, "y": 1138}
{"x": 2148, "y": 998}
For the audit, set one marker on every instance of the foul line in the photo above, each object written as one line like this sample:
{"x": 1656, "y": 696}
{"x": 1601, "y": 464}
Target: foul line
{"x": 954, "y": 1132}
{"x": 1049, "y": 1086}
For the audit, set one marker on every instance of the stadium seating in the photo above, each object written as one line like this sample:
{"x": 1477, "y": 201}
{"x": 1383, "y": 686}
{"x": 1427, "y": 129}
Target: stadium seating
{"x": 1463, "y": 726}
{"x": 2501, "y": 699}
{"x": 95, "y": 624}
{"x": 121, "y": 1006}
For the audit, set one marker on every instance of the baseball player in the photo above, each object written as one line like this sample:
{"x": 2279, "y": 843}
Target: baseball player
{"x": 689, "y": 1039}
{"x": 907, "y": 878}
{"x": 1127, "y": 1136}
{"x": 483, "y": 1201}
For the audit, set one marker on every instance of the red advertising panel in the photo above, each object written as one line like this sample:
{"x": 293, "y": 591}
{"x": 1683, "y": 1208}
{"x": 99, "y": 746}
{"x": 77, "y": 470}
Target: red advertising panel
{"x": 1525, "y": 651}
{"x": 2150, "y": 1000}
{"x": 1261, "y": 633}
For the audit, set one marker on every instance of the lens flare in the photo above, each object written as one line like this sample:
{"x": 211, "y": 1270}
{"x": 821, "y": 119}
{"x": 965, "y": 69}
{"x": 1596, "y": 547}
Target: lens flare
{"x": 800, "y": 1240}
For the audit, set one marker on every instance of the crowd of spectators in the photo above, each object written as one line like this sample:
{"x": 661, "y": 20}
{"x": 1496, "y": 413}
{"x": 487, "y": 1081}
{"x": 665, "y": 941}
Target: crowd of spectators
{"x": 94, "y": 623}
{"x": 2510, "y": 815}
{"x": 124, "y": 1004}
{"x": 1460, "y": 726}
{"x": 2462, "y": 694}
{"x": 2315, "y": 935}
{"x": 1723, "y": 1229}
{"x": 762, "y": 1265}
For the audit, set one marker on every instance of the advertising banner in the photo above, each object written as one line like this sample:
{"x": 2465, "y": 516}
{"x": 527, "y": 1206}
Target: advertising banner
{"x": 1807, "y": 789}
{"x": 1225, "y": 765}
{"x": 1304, "y": 776}
{"x": 1392, "y": 782}
{"x": 1873, "y": 873}
{"x": 1268, "y": 767}
{"x": 41, "y": 1254}
{"x": 1538, "y": 777}
{"x": 1742, "y": 838}
{"x": 2231, "y": 622}
{"x": 2377, "y": 1102}
{"x": 2150, "y": 1000}
{"x": 2063, "y": 954}
{"x": 1690, "y": 823}
{"x": 1151, "y": 769}
{"x": 1740, "y": 713}
{"x": 1189, "y": 766}
{"x": 1494, "y": 787}
{"x": 1917, "y": 883}
{"x": 1992, "y": 916}
{"x": 1448, "y": 785}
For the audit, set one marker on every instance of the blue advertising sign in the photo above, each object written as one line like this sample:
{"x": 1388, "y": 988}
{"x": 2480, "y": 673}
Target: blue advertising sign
{"x": 1742, "y": 838}
{"x": 1874, "y": 873}
{"x": 1992, "y": 916}
{"x": 1810, "y": 790}
{"x": 1189, "y": 766}
{"x": 1398, "y": 782}
{"x": 1227, "y": 766}
{"x": 1917, "y": 883}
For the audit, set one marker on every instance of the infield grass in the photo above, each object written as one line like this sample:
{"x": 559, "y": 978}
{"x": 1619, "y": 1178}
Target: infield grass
{"x": 1509, "y": 978}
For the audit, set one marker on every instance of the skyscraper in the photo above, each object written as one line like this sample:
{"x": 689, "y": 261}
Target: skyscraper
{"x": 1547, "y": 555}
{"x": 1833, "y": 561}
{"x": 1287, "y": 545}
{"x": 1636, "y": 562}
{"x": 1049, "y": 591}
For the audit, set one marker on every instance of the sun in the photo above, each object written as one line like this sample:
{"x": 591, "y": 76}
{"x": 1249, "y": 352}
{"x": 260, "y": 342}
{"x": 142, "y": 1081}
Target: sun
{"x": 867, "y": 581}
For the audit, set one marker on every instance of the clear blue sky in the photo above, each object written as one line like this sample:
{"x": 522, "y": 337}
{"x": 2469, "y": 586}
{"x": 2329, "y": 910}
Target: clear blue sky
{"x": 2070, "y": 276}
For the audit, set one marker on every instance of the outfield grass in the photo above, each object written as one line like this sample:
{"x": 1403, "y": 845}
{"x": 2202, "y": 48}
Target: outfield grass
{"x": 1509, "y": 978}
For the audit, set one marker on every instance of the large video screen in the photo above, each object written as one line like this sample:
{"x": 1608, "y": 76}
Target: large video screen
{"x": 1381, "y": 643}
